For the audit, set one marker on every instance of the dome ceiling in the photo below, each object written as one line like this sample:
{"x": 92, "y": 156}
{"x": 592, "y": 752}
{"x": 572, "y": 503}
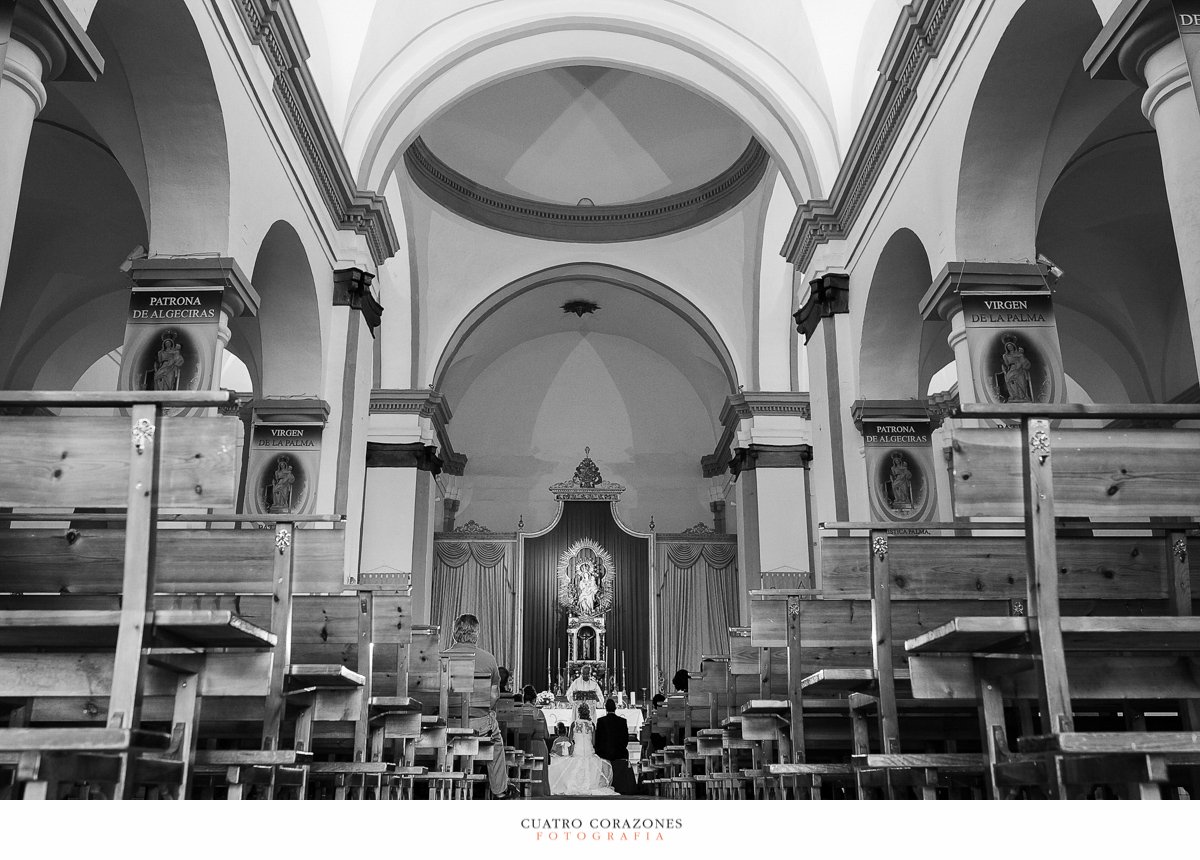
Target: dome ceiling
{"x": 608, "y": 135}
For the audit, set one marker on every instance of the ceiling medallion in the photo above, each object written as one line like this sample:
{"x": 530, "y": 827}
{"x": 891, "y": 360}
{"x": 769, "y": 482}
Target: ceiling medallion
{"x": 579, "y": 307}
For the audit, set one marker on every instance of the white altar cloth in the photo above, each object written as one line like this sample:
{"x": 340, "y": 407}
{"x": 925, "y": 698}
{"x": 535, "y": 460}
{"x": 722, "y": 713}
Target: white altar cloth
{"x": 554, "y": 716}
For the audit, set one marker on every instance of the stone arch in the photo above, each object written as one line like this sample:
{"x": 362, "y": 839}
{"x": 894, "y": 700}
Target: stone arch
{"x": 636, "y": 282}
{"x": 65, "y": 300}
{"x": 1034, "y": 106}
{"x": 284, "y": 340}
{"x": 891, "y": 353}
{"x": 1106, "y": 222}
{"x": 485, "y": 44}
{"x": 643, "y": 381}
{"x": 164, "y": 121}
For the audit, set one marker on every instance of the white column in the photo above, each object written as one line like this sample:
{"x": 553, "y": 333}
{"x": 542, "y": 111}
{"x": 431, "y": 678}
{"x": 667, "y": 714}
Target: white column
{"x": 22, "y": 98}
{"x": 962, "y": 358}
{"x": 1170, "y": 106}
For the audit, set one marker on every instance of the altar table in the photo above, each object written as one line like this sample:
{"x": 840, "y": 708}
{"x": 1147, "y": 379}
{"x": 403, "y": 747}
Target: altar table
{"x": 554, "y": 716}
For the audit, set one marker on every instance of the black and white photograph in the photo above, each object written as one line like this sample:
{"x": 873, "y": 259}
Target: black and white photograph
{"x": 605, "y": 406}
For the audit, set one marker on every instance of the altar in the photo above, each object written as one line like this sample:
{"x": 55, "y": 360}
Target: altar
{"x": 565, "y": 715}
{"x": 586, "y": 590}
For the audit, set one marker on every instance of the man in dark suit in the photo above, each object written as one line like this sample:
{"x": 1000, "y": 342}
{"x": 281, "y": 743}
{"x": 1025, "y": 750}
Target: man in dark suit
{"x": 612, "y": 744}
{"x": 612, "y": 734}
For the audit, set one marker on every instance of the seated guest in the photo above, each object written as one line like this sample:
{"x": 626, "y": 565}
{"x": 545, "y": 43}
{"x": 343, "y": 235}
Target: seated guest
{"x": 505, "y": 679}
{"x": 539, "y": 742}
{"x": 680, "y": 681}
{"x": 653, "y": 741}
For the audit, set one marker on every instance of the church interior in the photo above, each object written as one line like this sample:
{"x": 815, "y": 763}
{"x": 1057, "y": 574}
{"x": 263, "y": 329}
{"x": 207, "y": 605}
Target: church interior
{"x": 396, "y": 397}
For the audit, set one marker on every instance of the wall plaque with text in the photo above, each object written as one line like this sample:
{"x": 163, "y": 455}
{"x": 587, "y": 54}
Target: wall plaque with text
{"x": 170, "y": 339}
{"x": 902, "y": 487}
{"x": 281, "y": 477}
{"x": 1013, "y": 342}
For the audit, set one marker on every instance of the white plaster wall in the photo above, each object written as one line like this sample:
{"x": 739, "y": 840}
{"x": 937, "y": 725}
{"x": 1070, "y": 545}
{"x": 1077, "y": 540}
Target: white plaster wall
{"x": 388, "y": 515}
{"x": 460, "y": 264}
{"x": 775, "y": 324}
{"x": 782, "y": 519}
{"x": 525, "y": 421}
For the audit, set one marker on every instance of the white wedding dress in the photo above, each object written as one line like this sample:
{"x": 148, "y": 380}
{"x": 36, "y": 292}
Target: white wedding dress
{"x": 582, "y": 772}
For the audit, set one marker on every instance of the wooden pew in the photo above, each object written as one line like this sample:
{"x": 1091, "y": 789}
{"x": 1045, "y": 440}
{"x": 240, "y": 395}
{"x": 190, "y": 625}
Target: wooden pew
{"x": 916, "y": 582}
{"x": 135, "y": 464}
{"x": 1043, "y": 472}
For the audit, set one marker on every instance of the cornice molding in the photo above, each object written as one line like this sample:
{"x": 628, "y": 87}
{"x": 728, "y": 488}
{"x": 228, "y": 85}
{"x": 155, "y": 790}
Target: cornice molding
{"x": 352, "y": 288}
{"x": 51, "y": 30}
{"x": 424, "y": 403}
{"x": 661, "y": 538}
{"x": 917, "y": 38}
{"x": 747, "y": 404}
{"x": 239, "y": 297}
{"x": 272, "y": 26}
{"x": 456, "y": 464}
{"x": 770, "y": 457}
{"x": 460, "y": 537}
{"x": 564, "y": 223}
{"x": 827, "y": 295}
{"x": 887, "y": 410}
{"x": 1135, "y": 30}
{"x": 942, "y": 405}
{"x": 943, "y": 297}
{"x": 408, "y": 455}
{"x": 299, "y": 410}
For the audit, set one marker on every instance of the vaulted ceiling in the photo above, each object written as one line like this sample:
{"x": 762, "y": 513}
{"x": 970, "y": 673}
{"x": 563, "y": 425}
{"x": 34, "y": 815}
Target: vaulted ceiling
{"x": 608, "y": 135}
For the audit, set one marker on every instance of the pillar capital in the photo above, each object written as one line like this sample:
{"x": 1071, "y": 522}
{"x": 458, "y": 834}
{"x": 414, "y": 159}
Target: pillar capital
{"x": 407, "y": 455}
{"x": 827, "y": 295}
{"x": 352, "y": 288}
{"x": 412, "y": 416}
{"x": 944, "y": 297}
{"x": 770, "y": 457}
{"x": 1136, "y": 30}
{"x": 164, "y": 273}
{"x": 50, "y": 30}
{"x": 299, "y": 410}
{"x": 766, "y": 418}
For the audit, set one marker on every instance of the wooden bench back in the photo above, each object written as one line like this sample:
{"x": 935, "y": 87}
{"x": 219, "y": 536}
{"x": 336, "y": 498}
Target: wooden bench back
{"x": 424, "y": 666}
{"x": 985, "y": 567}
{"x": 1114, "y": 474}
{"x": 69, "y": 462}
{"x": 189, "y": 561}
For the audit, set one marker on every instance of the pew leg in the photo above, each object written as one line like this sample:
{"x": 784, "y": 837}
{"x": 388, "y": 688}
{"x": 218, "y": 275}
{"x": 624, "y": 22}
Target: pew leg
{"x": 1148, "y": 791}
{"x": 38, "y": 789}
{"x": 991, "y": 719}
{"x": 929, "y": 784}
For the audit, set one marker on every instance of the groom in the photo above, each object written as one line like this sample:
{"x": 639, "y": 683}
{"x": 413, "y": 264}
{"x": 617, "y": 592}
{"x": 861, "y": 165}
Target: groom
{"x": 612, "y": 744}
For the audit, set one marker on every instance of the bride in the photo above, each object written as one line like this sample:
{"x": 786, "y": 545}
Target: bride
{"x": 582, "y": 772}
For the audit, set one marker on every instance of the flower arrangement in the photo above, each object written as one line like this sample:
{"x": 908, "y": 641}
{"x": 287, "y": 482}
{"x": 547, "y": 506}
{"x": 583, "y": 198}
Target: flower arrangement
{"x": 544, "y": 699}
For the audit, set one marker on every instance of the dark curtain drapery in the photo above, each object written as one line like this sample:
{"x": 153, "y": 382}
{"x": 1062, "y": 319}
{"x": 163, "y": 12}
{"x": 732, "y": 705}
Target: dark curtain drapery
{"x": 477, "y": 577}
{"x": 697, "y": 602}
{"x": 628, "y": 622}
